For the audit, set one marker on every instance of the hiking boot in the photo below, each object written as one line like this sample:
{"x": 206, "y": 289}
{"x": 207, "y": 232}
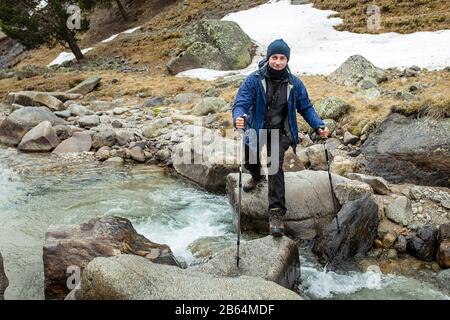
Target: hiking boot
{"x": 276, "y": 223}
{"x": 252, "y": 183}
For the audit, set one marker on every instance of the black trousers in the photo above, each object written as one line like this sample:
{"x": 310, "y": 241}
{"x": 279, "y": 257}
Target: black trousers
{"x": 276, "y": 190}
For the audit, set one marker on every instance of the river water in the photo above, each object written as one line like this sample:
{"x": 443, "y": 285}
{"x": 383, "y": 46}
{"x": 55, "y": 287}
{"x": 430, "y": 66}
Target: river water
{"x": 37, "y": 190}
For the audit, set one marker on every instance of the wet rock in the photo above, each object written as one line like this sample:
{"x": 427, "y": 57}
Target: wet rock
{"x": 389, "y": 239}
{"x": 3, "y": 279}
{"x": 392, "y": 254}
{"x": 137, "y": 154}
{"x": 273, "y": 259}
{"x": 423, "y": 244}
{"x": 77, "y": 245}
{"x": 18, "y": 123}
{"x": 129, "y": 277}
{"x": 106, "y": 137}
{"x": 86, "y": 86}
{"x": 358, "y": 228}
{"x": 407, "y": 150}
{"x": 401, "y": 244}
{"x": 443, "y": 279}
{"x": 103, "y": 153}
{"x": 443, "y": 254}
{"x": 444, "y": 232}
{"x": 308, "y": 211}
{"x": 40, "y": 138}
{"x": 400, "y": 211}
{"x": 79, "y": 142}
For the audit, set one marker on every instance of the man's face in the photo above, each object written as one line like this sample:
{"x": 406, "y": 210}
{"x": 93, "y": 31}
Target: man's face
{"x": 278, "y": 61}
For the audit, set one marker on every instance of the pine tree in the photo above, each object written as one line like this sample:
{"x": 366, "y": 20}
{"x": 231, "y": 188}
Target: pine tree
{"x": 36, "y": 22}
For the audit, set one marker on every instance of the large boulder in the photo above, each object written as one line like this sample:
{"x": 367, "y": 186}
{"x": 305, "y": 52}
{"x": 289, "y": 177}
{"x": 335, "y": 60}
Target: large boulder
{"x": 86, "y": 86}
{"x": 358, "y": 222}
{"x": 129, "y": 277}
{"x": 357, "y": 71}
{"x": 403, "y": 149}
{"x": 40, "y": 138}
{"x": 274, "y": 259}
{"x": 18, "y": 123}
{"x": 206, "y": 159}
{"x": 213, "y": 44}
{"x": 76, "y": 245}
{"x": 79, "y": 142}
{"x": 3, "y": 279}
{"x": 308, "y": 199}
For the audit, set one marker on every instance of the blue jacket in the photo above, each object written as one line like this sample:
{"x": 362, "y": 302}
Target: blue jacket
{"x": 251, "y": 100}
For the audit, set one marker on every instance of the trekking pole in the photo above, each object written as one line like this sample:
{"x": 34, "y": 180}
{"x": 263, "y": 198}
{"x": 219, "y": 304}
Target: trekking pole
{"x": 241, "y": 169}
{"x": 331, "y": 187}
{"x": 331, "y": 183}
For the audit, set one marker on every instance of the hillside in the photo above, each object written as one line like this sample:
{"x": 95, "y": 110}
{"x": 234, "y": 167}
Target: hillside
{"x": 402, "y": 16}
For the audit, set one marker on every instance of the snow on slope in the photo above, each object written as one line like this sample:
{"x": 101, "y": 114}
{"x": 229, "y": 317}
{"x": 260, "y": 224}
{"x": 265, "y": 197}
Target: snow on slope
{"x": 317, "y": 48}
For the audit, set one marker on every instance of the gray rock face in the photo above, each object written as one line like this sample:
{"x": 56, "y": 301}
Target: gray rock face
{"x": 400, "y": 211}
{"x": 104, "y": 138}
{"x": 25, "y": 98}
{"x": 79, "y": 142}
{"x": 77, "y": 245}
{"x": 332, "y": 108}
{"x": 41, "y": 99}
{"x": 350, "y": 138}
{"x": 406, "y": 150}
{"x": 86, "y": 86}
{"x": 358, "y": 221}
{"x": 213, "y": 44}
{"x": 129, "y": 277}
{"x": 378, "y": 184}
{"x": 273, "y": 259}
{"x": 40, "y": 138}
{"x": 206, "y": 160}
{"x": 356, "y": 69}
{"x": 18, "y": 123}
{"x": 308, "y": 199}
{"x": 3, "y": 279}
{"x": 423, "y": 244}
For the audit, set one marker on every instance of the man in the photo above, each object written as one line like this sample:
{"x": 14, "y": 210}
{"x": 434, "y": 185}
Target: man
{"x": 268, "y": 99}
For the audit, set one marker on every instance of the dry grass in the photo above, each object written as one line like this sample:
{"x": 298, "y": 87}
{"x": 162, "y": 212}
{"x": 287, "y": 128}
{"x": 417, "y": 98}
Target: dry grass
{"x": 402, "y": 16}
{"x": 129, "y": 85}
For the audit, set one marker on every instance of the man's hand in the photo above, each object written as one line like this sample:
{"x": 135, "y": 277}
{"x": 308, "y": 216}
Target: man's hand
{"x": 323, "y": 132}
{"x": 240, "y": 123}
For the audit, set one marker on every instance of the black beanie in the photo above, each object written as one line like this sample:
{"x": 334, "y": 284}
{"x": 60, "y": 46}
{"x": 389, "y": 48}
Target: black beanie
{"x": 278, "y": 47}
